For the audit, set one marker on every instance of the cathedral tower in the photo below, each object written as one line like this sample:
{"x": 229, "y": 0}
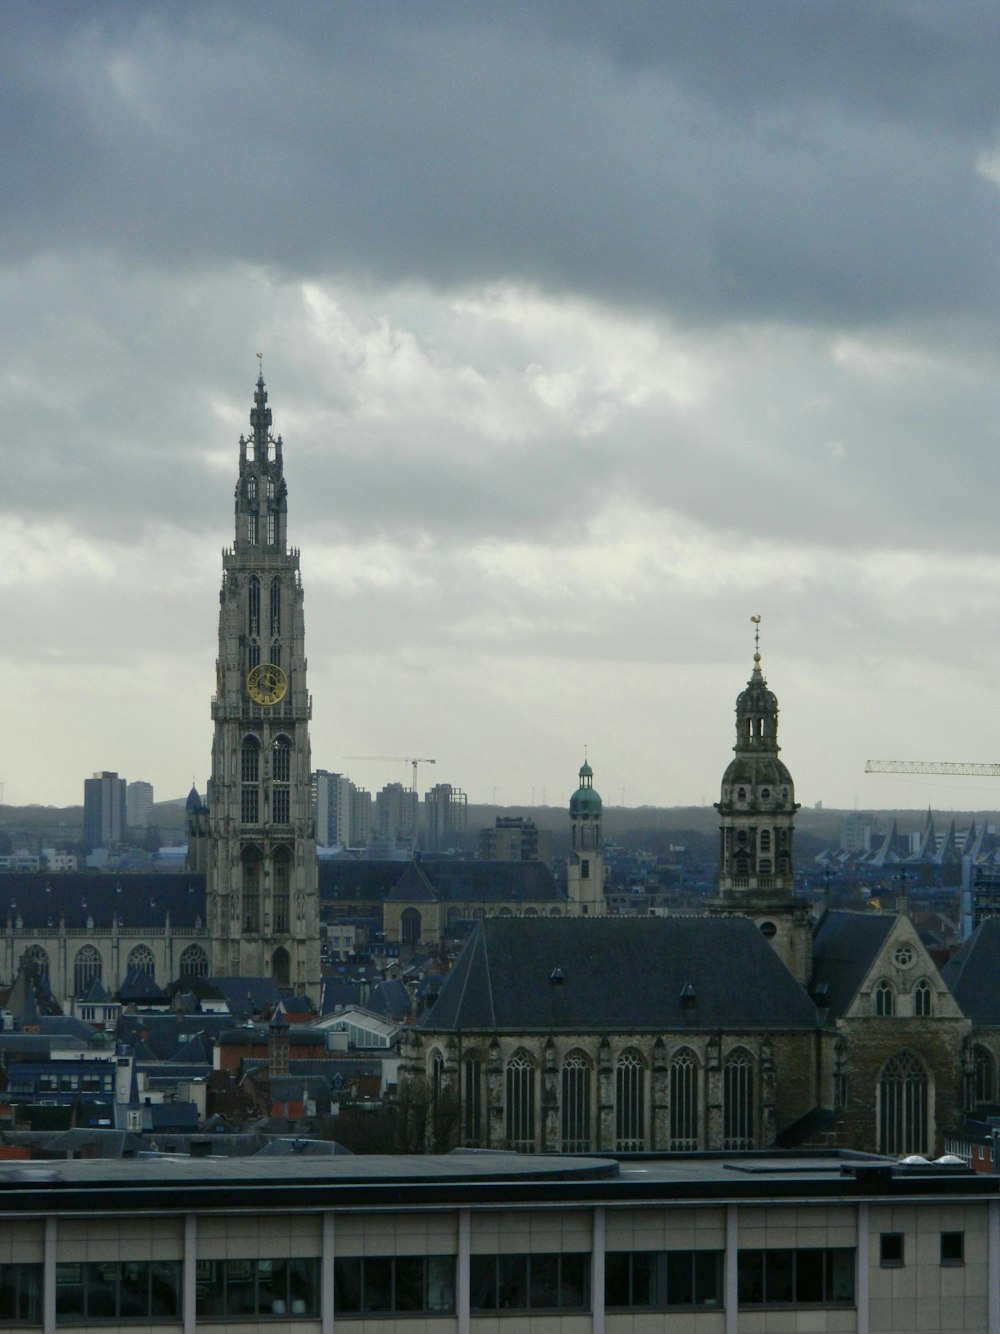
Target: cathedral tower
{"x": 585, "y": 868}
{"x": 262, "y": 899}
{"x": 756, "y": 816}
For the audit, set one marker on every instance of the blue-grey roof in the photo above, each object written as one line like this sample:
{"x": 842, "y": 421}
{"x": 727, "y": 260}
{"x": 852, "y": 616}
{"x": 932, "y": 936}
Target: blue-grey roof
{"x": 138, "y": 899}
{"x": 973, "y": 974}
{"x": 844, "y": 948}
{"x": 618, "y": 975}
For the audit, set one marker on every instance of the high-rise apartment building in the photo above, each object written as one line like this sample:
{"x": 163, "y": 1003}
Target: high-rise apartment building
{"x": 139, "y": 804}
{"x": 514, "y": 838}
{"x": 261, "y": 891}
{"x": 395, "y": 813}
{"x": 104, "y": 810}
{"x": 446, "y": 815}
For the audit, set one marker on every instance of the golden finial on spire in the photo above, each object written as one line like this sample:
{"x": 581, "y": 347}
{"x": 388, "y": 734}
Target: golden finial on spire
{"x": 756, "y": 640}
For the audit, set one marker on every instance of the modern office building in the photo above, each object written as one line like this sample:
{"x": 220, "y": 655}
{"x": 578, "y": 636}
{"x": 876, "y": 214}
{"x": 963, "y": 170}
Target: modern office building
{"x": 104, "y": 810}
{"x": 139, "y": 804}
{"x": 468, "y": 1244}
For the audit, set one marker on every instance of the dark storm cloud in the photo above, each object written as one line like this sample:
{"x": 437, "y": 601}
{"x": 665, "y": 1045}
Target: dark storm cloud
{"x": 804, "y": 162}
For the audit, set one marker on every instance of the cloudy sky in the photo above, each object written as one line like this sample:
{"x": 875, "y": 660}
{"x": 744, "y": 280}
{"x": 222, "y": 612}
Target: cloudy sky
{"x": 591, "y": 329}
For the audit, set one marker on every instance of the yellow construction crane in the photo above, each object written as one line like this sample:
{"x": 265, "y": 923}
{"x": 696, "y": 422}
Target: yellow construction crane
{"x": 395, "y": 759}
{"x": 932, "y": 767}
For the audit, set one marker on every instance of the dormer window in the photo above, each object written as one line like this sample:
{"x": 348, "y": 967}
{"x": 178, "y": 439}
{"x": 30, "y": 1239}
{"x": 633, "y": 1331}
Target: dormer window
{"x": 741, "y": 794}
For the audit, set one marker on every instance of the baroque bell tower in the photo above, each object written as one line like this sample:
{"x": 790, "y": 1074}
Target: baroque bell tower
{"x": 262, "y": 897}
{"x": 756, "y": 817}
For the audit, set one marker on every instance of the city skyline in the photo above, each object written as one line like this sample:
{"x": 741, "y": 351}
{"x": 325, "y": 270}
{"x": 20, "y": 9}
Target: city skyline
{"x": 589, "y": 334}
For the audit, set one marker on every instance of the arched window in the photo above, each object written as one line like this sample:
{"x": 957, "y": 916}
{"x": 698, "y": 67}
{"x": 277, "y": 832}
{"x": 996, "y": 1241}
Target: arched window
{"x": 629, "y": 1103}
{"x": 253, "y": 606}
{"x": 194, "y": 962}
{"x": 765, "y": 840}
{"x": 738, "y": 1101}
{"x": 521, "y": 1103}
{"x": 142, "y": 960}
{"x": 437, "y": 1077}
{"x": 576, "y": 1103}
{"x": 251, "y": 889}
{"x": 281, "y": 771}
{"x": 472, "y": 1101}
{"x": 275, "y": 607}
{"x": 281, "y": 868}
{"x": 922, "y": 998}
{"x": 885, "y": 999}
{"x": 252, "y": 528}
{"x": 683, "y": 1102}
{"x": 249, "y": 776}
{"x": 281, "y": 967}
{"x": 272, "y": 529}
{"x": 903, "y": 1106}
{"x": 410, "y": 923}
{"x": 982, "y": 1080}
{"x": 38, "y": 957}
{"x": 87, "y": 968}
{"x": 251, "y": 487}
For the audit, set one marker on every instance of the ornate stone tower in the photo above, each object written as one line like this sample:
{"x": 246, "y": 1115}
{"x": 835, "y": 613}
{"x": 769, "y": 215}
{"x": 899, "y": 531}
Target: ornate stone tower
{"x": 756, "y": 815}
{"x": 262, "y": 899}
{"x": 585, "y": 868}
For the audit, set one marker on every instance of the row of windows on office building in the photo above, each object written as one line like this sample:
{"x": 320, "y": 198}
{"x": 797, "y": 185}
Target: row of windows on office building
{"x": 903, "y": 1101}
{"x": 88, "y": 964}
{"x": 87, "y": 1292}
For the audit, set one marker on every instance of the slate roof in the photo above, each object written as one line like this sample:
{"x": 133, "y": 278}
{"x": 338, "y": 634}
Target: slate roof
{"x": 139, "y": 899}
{"x": 618, "y": 975}
{"x": 493, "y": 882}
{"x": 348, "y": 881}
{"x": 389, "y": 999}
{"x": 844, "y": 948}
{"x": 247, "y": 995}
{"x": 973, "y": 974}
{"x": 166, "y": 1034}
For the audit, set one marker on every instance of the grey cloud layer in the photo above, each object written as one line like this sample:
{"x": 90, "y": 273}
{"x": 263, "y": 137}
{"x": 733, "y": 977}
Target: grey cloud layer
{"x": 805, "y": 162}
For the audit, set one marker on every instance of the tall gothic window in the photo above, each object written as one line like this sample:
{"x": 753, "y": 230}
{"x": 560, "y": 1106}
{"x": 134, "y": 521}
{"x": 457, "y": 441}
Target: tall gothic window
{"x": 252, "y": 528}
{"x": 38, "y": 956}
{"x": 885, "y": 999}
{"x": 194, "y": 962}
{"x": 629, "y": 1103}
{"x": 521, "y": 1103}
{"x": 922, "y": 998}
{"x": 282, "y": 759}
{"x": 282, "y": 871}
{"x": 251, "y": 487}
{"x": 683, "y": 1102}
{"x": 142, "y": 960}
{"x": 472, "y": 1102}
{"x": 87, "y": 969}
{"x": 272, "y": 529}
{"x": 902, "y": 1106}
{"x": 738, "y": 1109}
{"x": 410, "y": 923}
{"x": 576, "y": 1104}
{"x": 983, "y": 1082}
{"x": 281, "y": 769}
{"x": 253, "y": 606}
{"x": 275, "y": 607}
{"x": 250, "y": 760}
{"x": 251, "y": 890}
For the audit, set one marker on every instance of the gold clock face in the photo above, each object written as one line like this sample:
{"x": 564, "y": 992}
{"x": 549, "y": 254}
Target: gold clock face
{"x": 266, "y": 683}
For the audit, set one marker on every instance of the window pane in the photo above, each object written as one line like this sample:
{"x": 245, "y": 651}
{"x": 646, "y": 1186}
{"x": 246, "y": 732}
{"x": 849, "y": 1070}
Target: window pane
{"x": 440, "y": 1283}
{"x": 544, "y": 1282}
{"x": 840, "y": 1275}
{"x": 409, "y": 1284}
{"x": 778, "y": 1270}
{"x": 272, "y": 1287}
{"x": 750, "y": 1280}
{"x": 680, "y": 1278}
{"x": 69, "y": 1291}
{"x": 512, "y": 1282}
{"x": 809, "y": 1276}
{"x": 102, "y": 1282}
{"x": 707, "y": 1278}
{"x": 645, "y": 1289}
{"x": 209, "y": 1288}
{"x": 240, "y": 1298}
{"x": 616, "y": 1266}
{"x": 575, "y": 1278}
{"x": 483, "y": 1282}
{"x": 303, "y": 1287}
{"x": 134, "y": 1295}
{"x": 347, "y": 1285}
{"x": 377, "y": 1284}
{"x": 165, "y": 1288}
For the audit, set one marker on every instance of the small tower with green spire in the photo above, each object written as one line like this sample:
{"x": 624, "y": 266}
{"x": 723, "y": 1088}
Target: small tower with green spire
{"x": 756, "y": 818}
{"x": 585, "y": 868}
